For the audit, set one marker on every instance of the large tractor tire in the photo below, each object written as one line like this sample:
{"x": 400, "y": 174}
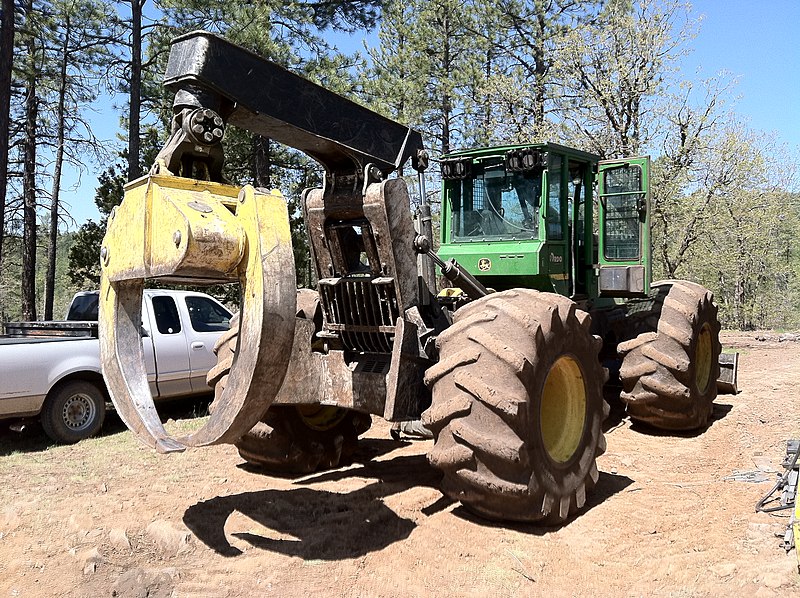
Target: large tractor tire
{"x": 517, "y": 407}
{"x": 670, "y": 367}
{"x": 303, "y": 439}
{"x": 292, "y": 439}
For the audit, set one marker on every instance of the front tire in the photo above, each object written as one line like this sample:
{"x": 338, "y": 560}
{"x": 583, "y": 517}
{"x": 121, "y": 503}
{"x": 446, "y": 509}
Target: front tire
{"x": 517, "y": 407}
{"x": 670, "y": 368}
{"x": 303, "y": 439}
{"x": 289, "y": 438}
{"x": 74, "y": 411}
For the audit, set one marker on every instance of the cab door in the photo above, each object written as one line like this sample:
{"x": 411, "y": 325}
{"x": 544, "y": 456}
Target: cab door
{"x": 170, "y": 347}
{"x": 207, "y": 320}
{"x": 555, "y": 257}
{"x": 624, "y": 252}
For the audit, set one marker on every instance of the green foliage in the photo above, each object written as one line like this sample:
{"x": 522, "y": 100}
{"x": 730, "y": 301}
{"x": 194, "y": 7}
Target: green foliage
{"x": 64, "y": 289}
{"x": 616, "y": 71}
{"x": 597, "y": 74}
{"x": 84, "y": 256}
{"x": 735, "y": 233}
{"x": 427, "y": 70}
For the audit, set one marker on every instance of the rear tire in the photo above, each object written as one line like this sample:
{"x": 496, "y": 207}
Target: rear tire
{"x": 670, "y": 367}
{"x": 74, "y": 411}
{"x": 517, "y": 407}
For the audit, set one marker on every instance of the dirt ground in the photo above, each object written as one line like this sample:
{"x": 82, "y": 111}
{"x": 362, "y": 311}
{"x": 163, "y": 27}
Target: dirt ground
{"x": 108, "y": 517}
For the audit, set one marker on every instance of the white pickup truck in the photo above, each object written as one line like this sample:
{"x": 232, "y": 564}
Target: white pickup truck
{"x": 52, "y": 369}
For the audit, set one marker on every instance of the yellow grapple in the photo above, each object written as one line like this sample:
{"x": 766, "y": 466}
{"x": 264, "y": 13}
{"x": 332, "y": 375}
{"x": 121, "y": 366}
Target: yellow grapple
{"x": 189, "y": 231}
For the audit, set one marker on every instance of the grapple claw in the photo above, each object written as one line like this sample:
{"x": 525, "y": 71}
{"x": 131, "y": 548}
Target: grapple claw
{"x": 195, "y": 231}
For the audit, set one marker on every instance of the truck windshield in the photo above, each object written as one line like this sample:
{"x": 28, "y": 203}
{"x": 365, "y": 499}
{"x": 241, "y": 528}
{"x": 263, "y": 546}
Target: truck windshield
{"x": 495, "y": 204}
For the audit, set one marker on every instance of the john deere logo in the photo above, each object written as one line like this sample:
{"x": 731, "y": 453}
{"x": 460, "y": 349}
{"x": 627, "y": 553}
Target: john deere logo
{"x": 484, "y": 264}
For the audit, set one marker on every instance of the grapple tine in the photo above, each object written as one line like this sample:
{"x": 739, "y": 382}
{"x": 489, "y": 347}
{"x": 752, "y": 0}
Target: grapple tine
{"x": 265, "y": 269}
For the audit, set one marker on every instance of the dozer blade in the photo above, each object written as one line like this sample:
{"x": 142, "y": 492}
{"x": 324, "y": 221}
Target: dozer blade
{"x": 728, "y": 373}
{"x": 188, "y": 231}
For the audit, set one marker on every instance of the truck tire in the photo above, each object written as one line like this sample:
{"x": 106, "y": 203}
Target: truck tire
{"x": 73, "y": 411}
{"x": 518, "y": 407}
{"x": 303, "y": 439}
{"x": 670, "y": 367}
{"x": 292, "y": 439}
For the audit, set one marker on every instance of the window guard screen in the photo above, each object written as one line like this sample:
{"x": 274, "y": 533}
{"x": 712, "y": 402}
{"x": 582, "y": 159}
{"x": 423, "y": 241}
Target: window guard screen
{"x": 622, "y": 198}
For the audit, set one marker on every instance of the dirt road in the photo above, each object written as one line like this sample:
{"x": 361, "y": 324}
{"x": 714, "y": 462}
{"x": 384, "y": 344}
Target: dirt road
{"x": 108, "y": 517}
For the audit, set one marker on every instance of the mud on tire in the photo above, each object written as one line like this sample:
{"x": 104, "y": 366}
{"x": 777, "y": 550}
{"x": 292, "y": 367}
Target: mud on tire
{"x": 292, "y": 439}
{"x": 517, "y": 407}
{"x": 671, "y": 364}
{"x": 305, "y": 439}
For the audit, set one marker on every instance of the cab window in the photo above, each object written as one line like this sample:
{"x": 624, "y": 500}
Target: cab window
{"x": 206, "y": 315}
{"x": 555, "y": 229}
{"x": 495, "y": 204}
{"x": 167, "y": 319}
{"x": 622, "y": 198}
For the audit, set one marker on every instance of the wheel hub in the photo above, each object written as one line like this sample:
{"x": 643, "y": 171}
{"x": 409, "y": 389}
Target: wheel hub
{"x": 321, "y": 417}
{"x": 78, "y": 412}
{"x": 563, "y": 409}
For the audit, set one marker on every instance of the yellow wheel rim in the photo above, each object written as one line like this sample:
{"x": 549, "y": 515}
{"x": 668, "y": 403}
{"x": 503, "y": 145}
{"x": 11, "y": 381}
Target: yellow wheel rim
{"x": 563, "y": 409}
{"x": 702, "y": 359}
{"x": 321, "y": 417}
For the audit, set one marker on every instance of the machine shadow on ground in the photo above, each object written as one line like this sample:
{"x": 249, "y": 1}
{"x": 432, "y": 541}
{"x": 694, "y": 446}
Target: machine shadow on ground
{"x": 719, "y": 412}
{"x": 608, "y": 484}
{"x": 320, "y": 524}
{"x": 617, "y": 416}
{"x": 312, "y": 523}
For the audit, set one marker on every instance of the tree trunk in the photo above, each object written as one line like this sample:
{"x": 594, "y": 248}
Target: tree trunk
{"x": 541, "y": 70}
{"x": 262, "y": 162}
{"x": 135, "y": 99}
{"x": 29, "y": 191}
{"x": 6, "y": 57}
{"x": 50, "y": 277}
{"x": 447, "y": 103}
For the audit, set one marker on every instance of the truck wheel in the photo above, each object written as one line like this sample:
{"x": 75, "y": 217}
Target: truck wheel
{"x": 73, "y": 411}
{"x": 303, "y": 439}
{"x": 292, "y": 439}
{"x": 517, "y": 407}
{"x": 670, "y": 368}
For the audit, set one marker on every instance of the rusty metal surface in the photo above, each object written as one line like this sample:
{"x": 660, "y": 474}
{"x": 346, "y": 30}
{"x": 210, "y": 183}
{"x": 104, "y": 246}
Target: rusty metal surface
{"x": 337, "y": 379}
{"x": 728, "y": 373}
{"x": 265, "y": 269}
{"x": 388, "y": 385}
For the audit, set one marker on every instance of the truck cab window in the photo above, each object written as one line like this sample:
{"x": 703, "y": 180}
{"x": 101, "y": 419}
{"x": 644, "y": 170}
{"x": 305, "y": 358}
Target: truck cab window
{"x": 207, "y": 316}
{"x": 84, "y": 307}
{"x": 166, "y": 312}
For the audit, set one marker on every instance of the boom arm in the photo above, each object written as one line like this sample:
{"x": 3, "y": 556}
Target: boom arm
{"x": 206, "y": 71}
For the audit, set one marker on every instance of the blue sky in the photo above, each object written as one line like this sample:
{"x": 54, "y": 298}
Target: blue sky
{"x": 753, "y": 41}
{"x": 756, "y": 41}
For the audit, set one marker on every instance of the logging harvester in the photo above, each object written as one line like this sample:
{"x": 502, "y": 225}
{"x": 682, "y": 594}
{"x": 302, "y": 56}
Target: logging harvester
{"x": 544, "y": 258}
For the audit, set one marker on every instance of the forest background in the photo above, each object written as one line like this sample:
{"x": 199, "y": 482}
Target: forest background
{"x": 600, "y": 75}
